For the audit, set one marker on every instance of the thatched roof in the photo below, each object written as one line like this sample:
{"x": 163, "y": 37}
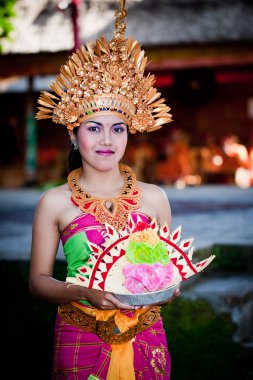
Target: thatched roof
{"x": 40, "y": 27}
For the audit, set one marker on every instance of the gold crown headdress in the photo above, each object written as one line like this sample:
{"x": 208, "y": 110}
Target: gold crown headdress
{"x": 106, "y": 78}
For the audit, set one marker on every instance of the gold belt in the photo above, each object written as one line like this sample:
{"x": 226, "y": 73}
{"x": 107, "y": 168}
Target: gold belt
{"x": 107, "y": 329}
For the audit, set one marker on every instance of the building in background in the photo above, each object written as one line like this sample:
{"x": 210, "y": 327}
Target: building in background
{"x": 202, "y": 55}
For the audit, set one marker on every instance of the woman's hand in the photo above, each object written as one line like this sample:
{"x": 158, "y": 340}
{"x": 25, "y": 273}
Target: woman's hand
{"x": 107, "y": 301}
{"x": 104, "y": 300}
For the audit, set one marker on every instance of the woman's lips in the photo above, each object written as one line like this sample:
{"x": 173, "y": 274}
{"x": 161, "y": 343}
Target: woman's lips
{"x": 106, "y": 152}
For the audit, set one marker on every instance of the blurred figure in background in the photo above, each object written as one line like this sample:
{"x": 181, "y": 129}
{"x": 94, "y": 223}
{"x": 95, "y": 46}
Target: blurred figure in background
{"x": 241, "y": 158}
{"x": 212, "y": 159}
{"x": 142, "y": 156}
{"x": 174, "y": 165}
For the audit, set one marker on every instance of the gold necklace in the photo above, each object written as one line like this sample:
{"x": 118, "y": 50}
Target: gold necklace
{"x": 113, "y": 211}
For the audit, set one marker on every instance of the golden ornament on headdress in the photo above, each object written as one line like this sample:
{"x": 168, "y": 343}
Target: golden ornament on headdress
{"x": 106, "y": 78}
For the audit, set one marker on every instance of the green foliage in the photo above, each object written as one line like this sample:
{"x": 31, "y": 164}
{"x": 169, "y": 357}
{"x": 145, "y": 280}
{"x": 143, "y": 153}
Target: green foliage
{"x": 232, "y": 258}
{"x": 6, "y": 14}
{"x": 50, "y": 184}
{"x": 200, "y": 343}
{"x": 28, "y": 324}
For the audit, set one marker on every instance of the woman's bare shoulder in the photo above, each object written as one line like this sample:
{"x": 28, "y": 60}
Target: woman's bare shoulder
{"x": 55, "y": 207}
{"x": 153, "y": 191}
{"x": 55, "y": 192}
{"x": 54, "y": 197}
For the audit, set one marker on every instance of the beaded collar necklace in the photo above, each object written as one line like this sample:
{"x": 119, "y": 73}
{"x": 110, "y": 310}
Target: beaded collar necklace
{"x": 114, "y": 211}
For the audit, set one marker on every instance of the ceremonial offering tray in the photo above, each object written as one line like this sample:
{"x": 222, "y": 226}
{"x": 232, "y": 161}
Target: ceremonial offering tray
{"x": 149, "y": 298}
{"x": 142, "y": 264}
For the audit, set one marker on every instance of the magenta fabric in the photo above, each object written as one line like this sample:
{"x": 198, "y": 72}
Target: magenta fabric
{"x": 80, "y": 355}
{"x": 87, "y": 223}
{"x": 93, "y": 229}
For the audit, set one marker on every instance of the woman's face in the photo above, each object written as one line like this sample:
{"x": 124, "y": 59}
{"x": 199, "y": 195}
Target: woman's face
{"x": 102, "y": 141}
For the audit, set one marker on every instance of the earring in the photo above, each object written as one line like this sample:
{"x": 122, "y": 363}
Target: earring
{"x": 74, "y": 145}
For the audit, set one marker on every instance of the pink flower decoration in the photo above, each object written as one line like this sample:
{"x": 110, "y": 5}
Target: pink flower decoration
{"x": 144, "y": 278}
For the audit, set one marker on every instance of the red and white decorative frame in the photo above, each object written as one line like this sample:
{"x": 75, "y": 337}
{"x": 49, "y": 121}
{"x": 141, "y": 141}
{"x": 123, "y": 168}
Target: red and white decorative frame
{"x": 108, "y": 260}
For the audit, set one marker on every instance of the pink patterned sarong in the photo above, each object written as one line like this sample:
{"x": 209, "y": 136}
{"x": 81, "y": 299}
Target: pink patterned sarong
{"x": 81, "y": 355}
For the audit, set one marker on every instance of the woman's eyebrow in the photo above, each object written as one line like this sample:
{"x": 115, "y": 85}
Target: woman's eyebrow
{"x": 91, "y": 121}
{"x": 121, "y": 122}
{"x": 101, "y": 124}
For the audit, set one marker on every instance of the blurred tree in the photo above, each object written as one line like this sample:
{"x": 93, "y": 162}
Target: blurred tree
{"x": 6, "y": 14}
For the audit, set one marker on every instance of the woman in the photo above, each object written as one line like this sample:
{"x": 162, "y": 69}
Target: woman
{"x": 105, "y": 96}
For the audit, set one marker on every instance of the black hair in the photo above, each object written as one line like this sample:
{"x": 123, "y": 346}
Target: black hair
{"x": 74, "y": 157}
{"x": 74, "y": 160}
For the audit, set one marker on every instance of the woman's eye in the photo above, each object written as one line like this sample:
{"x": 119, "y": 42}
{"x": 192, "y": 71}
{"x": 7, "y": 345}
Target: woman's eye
{"x": 118, "y": 129}
{"x": 93, "y": 128}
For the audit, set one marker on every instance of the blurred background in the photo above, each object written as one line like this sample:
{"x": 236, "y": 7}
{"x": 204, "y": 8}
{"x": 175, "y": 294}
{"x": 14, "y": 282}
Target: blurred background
{"x": 201, "y": 52}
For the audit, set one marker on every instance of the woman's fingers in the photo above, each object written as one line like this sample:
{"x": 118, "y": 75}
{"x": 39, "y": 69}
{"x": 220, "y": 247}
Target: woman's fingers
{"x": 106, "y": 301}
{"x": 176, "y": 293}
{"x": 117, "y": 303}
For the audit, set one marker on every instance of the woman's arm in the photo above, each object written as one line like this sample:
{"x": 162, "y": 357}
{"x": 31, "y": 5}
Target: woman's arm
{"x": 164, "y": 216}
{"x": 45, "y": 242}
{"x": 163, "y": 209}
{"x": 155, "y": 203}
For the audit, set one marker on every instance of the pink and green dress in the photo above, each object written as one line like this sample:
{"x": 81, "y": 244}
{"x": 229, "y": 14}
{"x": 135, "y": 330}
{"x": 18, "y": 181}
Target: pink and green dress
{"x": 81, "y": 355}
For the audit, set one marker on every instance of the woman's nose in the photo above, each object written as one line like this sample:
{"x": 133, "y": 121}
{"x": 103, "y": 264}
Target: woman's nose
{"x": 106, "y": 138}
